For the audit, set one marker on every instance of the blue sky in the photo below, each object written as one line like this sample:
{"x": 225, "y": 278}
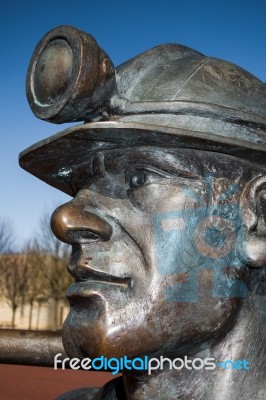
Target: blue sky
{"x": 231, "y": 30}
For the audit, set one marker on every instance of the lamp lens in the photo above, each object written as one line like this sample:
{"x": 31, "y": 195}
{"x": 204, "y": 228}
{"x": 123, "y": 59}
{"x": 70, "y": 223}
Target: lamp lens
{"x": 53, "y": 71}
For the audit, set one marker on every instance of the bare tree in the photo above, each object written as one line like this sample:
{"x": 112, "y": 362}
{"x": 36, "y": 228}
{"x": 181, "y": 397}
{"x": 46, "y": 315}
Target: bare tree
{"x": 35, "y": 289}
{"x": 12, "y": 269}
{"x": 37, "y": 274}
{"x": 55, "y": 255}
{"x": 14, "y": 281}
{"x": 48, "y": 242}
{"x": 7, "y": 237}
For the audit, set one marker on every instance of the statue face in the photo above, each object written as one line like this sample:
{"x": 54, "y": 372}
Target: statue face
{"x": 153, "y": 257}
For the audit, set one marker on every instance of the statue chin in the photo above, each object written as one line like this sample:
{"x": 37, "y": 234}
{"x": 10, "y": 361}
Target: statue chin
{"x": 83, "y": 328}
{"x": 94, "y": 329}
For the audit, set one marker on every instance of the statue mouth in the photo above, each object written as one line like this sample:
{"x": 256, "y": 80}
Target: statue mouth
{"x": 88, "y": 279}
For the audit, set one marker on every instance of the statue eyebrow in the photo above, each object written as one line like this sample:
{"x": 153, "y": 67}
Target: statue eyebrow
{"x": 184, "y": 163}
{"x": 184, "y": 168}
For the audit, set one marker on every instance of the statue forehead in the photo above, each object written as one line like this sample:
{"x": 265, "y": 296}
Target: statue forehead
{"x": 187, "y": 162}
{"x": 149, "y": 154}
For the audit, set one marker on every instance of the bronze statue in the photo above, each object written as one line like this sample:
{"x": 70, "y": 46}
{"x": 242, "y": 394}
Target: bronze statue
{"x": 167, "y": 221}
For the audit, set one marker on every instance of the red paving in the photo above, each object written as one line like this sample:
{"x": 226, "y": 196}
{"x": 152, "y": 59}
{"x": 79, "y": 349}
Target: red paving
{"x": 32, "y": 383}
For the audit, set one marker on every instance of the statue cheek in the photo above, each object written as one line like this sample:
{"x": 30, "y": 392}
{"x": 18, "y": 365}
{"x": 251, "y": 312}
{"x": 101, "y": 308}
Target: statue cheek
{"x": 164, "y": 196}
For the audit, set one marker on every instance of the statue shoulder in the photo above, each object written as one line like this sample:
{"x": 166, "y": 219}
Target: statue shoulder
{"x": 112, "y": 390}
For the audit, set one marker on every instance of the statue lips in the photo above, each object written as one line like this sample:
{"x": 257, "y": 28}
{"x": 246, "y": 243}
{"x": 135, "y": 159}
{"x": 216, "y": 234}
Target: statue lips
{"x": 88, "y": 279}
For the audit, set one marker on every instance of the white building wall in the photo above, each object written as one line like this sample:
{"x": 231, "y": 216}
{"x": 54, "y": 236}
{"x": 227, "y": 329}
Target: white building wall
{"x": 41, "y": 315}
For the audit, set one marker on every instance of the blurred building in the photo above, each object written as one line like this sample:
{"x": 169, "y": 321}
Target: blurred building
{"x": 26, "y": 298}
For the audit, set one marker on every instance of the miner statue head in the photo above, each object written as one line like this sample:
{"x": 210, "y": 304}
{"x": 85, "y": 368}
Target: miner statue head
{"x": 167, "y": 221}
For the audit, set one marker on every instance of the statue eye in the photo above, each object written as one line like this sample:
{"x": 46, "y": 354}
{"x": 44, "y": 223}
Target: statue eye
{"x": 135, "y": 179}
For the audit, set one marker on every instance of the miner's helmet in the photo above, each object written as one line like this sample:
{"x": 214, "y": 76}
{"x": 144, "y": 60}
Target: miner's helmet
{"x": 168, "y": 96}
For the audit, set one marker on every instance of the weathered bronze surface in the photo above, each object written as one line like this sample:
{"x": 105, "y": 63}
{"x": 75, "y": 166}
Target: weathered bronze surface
{"x": 167, "y": 221}
{"x": 30, "y": 347}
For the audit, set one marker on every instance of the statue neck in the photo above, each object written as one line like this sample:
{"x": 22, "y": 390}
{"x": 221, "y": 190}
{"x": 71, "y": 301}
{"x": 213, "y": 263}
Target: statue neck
{"x": 246, "y": 341}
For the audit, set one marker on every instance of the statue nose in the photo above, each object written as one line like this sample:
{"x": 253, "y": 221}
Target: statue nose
{"x": 72, "y": 224}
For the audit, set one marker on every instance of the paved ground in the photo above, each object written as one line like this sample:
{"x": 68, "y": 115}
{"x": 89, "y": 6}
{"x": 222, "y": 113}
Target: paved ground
{"x": 32, "y": 383}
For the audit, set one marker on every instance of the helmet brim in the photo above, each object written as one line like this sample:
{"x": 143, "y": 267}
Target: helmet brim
{"x": 53, "y": 160}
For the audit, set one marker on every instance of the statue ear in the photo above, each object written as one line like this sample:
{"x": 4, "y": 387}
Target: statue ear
{"x": 252, "y": 249}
